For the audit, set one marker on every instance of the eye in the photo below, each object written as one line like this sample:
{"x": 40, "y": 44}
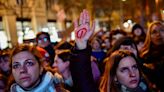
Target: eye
{"x": 135, "y": 67}
{"x": 124, "y": 69}
{"x": 16, "y": 66}
{"x": 29, "y": 63}
{"x": 45, "y": 39}
{"x": 162, "y": 30}
{"x": 154, "y": 31}
{"x": 39, "y": 41}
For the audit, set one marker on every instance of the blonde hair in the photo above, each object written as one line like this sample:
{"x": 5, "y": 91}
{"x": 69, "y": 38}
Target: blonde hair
{"x": 147, "y": 43}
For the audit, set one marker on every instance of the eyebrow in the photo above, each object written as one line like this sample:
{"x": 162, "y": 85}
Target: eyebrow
{"x": 24, "y": 60}
{"x": 131, "y": 66}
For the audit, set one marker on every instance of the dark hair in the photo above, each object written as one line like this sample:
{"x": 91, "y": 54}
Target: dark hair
{"x": 123, "y": 41}
{"x": 65, "y": 55}
{"x": 142, "y": 37}
{"x": 43, "y": 33}
{"x": 135, "y": 26}
{"x": 116, "y": 31}
{"x": 4, "y": 54}
{"x": 63, "y": 45}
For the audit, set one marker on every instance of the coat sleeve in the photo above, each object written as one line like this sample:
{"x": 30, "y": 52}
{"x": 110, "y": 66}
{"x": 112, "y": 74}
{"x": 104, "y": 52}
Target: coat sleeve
{"x": 81, "y": 71}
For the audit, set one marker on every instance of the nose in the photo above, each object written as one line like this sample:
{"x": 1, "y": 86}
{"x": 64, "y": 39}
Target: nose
{"x": 54, "y": 64}
{"x": 158, "y": 34}
{"x": 132, "y": 73}
{"x": 23, "y": 69}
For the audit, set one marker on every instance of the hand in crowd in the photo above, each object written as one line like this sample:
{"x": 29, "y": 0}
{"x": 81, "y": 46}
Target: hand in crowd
{"x": 82, "y": 29}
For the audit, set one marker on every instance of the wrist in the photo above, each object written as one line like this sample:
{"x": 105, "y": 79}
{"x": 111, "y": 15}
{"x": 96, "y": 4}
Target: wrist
{"x": 80, "y": 45}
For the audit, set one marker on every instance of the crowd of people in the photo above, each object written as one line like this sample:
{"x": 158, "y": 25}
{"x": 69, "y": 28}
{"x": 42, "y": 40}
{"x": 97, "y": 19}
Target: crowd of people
{"x": 103, "y": 61}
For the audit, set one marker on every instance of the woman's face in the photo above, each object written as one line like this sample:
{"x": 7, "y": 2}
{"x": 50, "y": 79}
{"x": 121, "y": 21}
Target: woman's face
{"x": 26, "y": 69}
{"x": 137, "y": 32}
{"x": 157, "y": 34}
{"x": 96, "y": 45}
{"x": 116, "y": 37}
{"x": 60, "y": 65}
{"x": 4, "y": 64}
{"x": 43, "y": 41}
{"x": 127, "y": 72}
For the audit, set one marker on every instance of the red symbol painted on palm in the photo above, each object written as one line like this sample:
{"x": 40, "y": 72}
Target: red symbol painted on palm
{"x": 81, "y": 33}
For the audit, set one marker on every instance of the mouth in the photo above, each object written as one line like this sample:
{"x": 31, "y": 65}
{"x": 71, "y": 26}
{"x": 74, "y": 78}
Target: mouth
{"x": 24, "y": 78}
{"x": 133, "y": 81}
{"x": 158, "y": 38}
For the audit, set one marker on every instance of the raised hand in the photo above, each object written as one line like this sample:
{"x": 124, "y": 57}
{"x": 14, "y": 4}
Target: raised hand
{"x": 82, "y": 30}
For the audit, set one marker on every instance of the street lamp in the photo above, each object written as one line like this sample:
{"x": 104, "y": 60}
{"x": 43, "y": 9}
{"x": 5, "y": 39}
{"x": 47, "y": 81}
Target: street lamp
{"x": 123, "y": 0}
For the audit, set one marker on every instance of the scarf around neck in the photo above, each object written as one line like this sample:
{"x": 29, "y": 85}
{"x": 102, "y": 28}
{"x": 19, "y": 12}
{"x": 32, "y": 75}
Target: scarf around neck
{"x": 46, "y": 85}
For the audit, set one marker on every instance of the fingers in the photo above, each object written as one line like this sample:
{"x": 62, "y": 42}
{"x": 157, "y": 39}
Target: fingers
{"x": 84, "y": 17}
{"x": 93, "y": 27}
{"x": 81, "y": 18}
{"x": 83, "y": 29}
{"x": 87, "y": 17}
{"x": 75, "y": 23}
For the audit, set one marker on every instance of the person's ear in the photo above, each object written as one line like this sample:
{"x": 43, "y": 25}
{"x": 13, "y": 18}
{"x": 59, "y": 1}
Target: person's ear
{"x": 41, "y": 70}
{"x": 67, "y": 63}
{"x": 115, "y": 79}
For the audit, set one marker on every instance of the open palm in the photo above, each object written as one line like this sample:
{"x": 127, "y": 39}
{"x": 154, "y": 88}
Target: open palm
{"x": 82, "y": 29}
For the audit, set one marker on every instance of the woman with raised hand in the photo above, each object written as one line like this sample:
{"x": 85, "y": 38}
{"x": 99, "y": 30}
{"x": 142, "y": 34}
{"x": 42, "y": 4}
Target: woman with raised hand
{"x": 80, "y": 64}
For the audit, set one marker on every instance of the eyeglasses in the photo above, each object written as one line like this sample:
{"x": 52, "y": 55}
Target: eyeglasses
{"x": 156, "y": 31}
{"x": 45, "y": 39}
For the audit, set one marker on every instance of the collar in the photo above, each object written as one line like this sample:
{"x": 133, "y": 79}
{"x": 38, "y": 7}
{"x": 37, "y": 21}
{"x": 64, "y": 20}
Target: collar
{"x": 45, "y": 85}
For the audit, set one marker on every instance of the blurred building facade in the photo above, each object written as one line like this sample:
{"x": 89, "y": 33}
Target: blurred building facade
{"x": 22, "y": 19}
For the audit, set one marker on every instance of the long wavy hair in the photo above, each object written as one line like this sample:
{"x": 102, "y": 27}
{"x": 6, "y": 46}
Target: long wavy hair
{"x": 107, "y": 83}
{"x": 148, "y": 42}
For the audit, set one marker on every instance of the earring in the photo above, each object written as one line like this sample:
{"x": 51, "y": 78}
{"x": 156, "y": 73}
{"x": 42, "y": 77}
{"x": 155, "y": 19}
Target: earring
{"x": 116, "y": 81}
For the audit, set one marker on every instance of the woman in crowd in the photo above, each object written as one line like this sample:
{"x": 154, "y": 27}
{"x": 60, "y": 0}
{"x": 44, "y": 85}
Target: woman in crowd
{"x": 62, "y": 64}
{"x": 152, "y": 53}
{"x": 122, "y": 74}
{"x": 138, "y": 34}
{"x": 28, "y": 72}
{"x": 125, "y": 43}
{"x": 4, "y": 62}
{"x": 43, "y": 41}
{"x": 114, "y": 35}
{"x": 97, "y": 51}
{"x": 98, "y": 54}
